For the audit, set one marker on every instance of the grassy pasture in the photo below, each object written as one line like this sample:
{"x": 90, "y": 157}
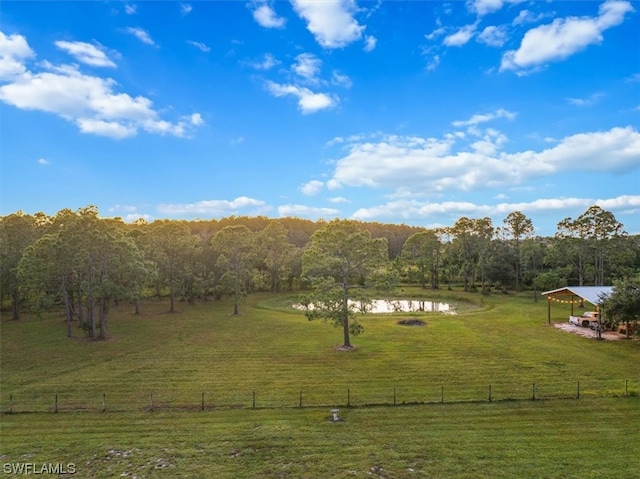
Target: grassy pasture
{"x": 169, "y": 360}
{"x": 569, "y": 439}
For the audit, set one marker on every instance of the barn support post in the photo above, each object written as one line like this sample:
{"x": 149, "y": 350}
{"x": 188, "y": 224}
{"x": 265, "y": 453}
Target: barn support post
{"x": 549, "y": 309}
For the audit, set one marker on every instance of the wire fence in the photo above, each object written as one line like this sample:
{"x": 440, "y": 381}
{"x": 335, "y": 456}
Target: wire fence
{"x": 359, "y": 395}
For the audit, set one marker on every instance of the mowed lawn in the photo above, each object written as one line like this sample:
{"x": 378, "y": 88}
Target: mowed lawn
{"x": 502, "y": 341}
{"x": 275, "y": 356}
{"x": 577, "y": 439}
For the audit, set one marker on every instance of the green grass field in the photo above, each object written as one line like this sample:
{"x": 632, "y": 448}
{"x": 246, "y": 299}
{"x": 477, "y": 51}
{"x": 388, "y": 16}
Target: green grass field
{"x": 169, "y": 361}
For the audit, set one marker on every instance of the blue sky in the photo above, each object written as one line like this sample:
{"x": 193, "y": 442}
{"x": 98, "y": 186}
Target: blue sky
{"x": 415, "y": 112}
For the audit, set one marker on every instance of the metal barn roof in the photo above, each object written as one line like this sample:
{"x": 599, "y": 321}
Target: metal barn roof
{"x": 591, "y": 294}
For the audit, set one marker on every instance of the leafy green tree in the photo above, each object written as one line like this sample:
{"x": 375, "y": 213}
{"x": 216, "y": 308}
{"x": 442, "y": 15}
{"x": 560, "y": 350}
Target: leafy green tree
{"x": 600, "y": 227}
{"x": 84, "y": 260}
{"x": 623, "y": 305}
{"x": 517, "y": 228}
{"x": 338, "y": 260}
{"x": 236, "y": 249}
{"x": 422, "y": 252}
{"x": 174, "y": 247}
{"x": 17, "y": 232}
{"x": 277, "y": 252}
{"x": 471, "y": 241}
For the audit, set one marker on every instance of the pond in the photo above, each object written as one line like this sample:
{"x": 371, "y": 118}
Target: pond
{"x": 385, "y": 306}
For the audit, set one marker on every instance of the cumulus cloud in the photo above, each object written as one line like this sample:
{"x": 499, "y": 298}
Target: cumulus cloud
{"x": 310, "y": 212}
{"x": 493, "y": 36}
{"x": 13, "y": 54}
{"x": 92, "y": 103}
{"x": 590, "y": 100}
{"x": 308, "y": 101}
{"x": 563, "y": 37}
{"x": 311, "y": 188}
{"x": 185, "y": 8}
{"x": 461, "y": 36}
{"x": 340, "y": 79}
{"x": 307, "y": 66}
{"x": 415, "y": 209}
{"x": 370, "y": 43}
{"x": 200, "y": 46}
{"x": 141, "y": 35}
{"x": 86, "y": 53}
{"x": 266, "y": 16}
{"x": 43, "y": 161}
{"x": 242, "y": 204}
{"x": 483, "y": 118}
{"x": 267, "y": 62}
{"x": 415, "y": 163}
{"x": 484, "y": 7}
{"x": 130, "y": 8}
{"x": 331, "y": 22}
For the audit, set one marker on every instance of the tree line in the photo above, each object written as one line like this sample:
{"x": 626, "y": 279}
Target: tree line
{"x": 85, "y": 263}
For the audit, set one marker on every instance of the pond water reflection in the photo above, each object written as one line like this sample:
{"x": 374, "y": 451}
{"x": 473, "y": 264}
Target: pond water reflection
{"x": 382, "y": 306}
{"x": 407, "y": 306}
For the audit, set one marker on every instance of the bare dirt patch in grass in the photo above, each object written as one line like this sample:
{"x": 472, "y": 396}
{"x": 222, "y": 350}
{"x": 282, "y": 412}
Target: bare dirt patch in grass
{"x": 586, "y": 332}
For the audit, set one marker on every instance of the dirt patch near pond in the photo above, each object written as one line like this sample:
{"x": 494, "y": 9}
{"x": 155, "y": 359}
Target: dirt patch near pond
{"x": 586, "y": 332}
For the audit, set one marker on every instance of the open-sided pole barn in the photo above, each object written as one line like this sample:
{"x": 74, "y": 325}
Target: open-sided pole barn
{"x": 576, "y": 294}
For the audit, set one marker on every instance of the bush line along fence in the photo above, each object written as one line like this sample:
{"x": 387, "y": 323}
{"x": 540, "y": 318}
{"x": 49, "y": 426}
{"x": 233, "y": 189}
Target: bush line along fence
{"x": 344, "y": 397}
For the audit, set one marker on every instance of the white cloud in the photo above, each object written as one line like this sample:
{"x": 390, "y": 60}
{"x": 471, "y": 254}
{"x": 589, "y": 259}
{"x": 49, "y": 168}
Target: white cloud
{"x": 200, "y": 46}
{"x": 414, "y": 209}
{"x": 461, "y": 37}
{"x": 590, "y": 100}
{"x": 563, "y": 37}
{"x": 483, "y": 7}
{"x": 433, "y": 63}
{"x": 311, "y": 212}
{"x": 483, "y": 118}
{"x": 141, "y": 35}
{"x": 196, "y": 119}
{"x": 338, "y": 78}
{"x": 338, "y": 199}
{"x": 308, "y": 101}
{"x": 493, "y": 36}
{"x": 130, "y": 8}
{"x": 185, "y": 8}
{"x": 133, "y": 217}
{"x": 331, "y": 22}
{"x": 307, "y": 66}
{"x": 414, "y": 163}
{"x": 266, "y": 16}
{"x": 370, "y": 43}
{"x": 14, "y": 52}
{"x": 311, "y": 188}
{"x": 90, "y": 102}
{"x": 86, "y": 53}
{"x": 436, "y": 33}
{"x": 525, "y": 16}
{"x": 267, "y": 63}
{"x": 215, "y": 207}
{"x": 43, "y": 161}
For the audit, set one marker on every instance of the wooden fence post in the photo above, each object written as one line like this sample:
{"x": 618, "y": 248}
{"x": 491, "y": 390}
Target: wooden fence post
{"x": 348, "y": 397}
{"x": 202, "y": 402}
{"x": 10, "y": 403}
{"x": 394, "y": 396}
{"x": 55, "y": 408}
{"x": 104, "y": 402}
{"x": 533, "y": 397}
{"x": 300, "y": 401}
{"x": 254, "y": 400}
{"x": 490, "y": 393}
